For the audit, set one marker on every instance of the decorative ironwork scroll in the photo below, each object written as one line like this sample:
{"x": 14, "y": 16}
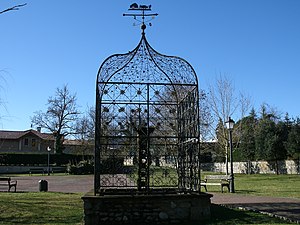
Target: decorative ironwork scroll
{"x": 147, "y": 122}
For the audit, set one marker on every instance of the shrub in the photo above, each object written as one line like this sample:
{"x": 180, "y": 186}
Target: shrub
{"x": 81, "y": 168}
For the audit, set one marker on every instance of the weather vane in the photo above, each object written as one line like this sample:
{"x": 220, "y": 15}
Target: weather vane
{"x": 143, "y": 15}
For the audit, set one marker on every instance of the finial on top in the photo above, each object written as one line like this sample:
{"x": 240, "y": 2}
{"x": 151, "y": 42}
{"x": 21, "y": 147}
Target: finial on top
{"x": 143, "y": 15}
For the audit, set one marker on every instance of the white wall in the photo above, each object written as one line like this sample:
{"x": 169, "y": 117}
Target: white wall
{"x": 264, "y": 167}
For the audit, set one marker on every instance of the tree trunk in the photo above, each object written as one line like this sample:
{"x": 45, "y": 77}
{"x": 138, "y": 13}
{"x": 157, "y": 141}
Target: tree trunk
{"x": 298, "y": 164}
{"x": 276, "y": 167}
{"x": 58, "y": 143}
{"x": 249, "y": 167}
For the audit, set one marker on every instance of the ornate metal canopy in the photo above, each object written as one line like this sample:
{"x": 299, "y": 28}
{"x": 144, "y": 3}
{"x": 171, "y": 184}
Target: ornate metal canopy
{"x": 147, "y": 122}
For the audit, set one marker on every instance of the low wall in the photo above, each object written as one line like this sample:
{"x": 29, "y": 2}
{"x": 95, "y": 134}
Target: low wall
{"x": 263, "y": 167}
{"x": 146, "y": 209}
{"x": 25, "y": 169}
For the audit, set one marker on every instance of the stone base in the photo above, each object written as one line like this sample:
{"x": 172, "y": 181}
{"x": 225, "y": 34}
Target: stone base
{"x": 143, "y": 209}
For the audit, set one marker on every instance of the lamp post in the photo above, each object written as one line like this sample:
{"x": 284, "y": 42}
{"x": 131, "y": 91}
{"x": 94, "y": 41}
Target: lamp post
{"x": 229, "y": 126}
{"x": 49, "y": 150}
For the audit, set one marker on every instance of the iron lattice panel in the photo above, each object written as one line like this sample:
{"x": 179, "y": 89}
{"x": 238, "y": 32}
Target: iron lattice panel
{"x": 146, "y": 115}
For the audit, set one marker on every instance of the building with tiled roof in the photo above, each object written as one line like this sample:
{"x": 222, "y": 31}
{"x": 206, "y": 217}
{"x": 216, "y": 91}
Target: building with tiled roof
{"x": 25, "y": 141}
{"x": 34, "y": 141}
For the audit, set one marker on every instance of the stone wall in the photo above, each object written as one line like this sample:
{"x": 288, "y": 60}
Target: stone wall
{"x": 146, "y": 209}
{"x": 263, "y": 167}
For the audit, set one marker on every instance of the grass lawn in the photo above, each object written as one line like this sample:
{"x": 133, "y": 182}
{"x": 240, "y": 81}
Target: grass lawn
{"x": 40, "y": 208}
{"x": 222, "y": 215}
{"x": 60, "y": 208}
{"x": 269, "y": 185}
{"x": 265, "y": 185}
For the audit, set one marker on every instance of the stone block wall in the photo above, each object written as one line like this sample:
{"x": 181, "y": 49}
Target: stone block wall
{"x": 146, "y": 209}
{"x": 263, "y": 167}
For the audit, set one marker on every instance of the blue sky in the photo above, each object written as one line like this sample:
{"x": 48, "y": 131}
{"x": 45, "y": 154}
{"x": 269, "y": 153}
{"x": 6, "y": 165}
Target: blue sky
{"x": 47, "y": 44}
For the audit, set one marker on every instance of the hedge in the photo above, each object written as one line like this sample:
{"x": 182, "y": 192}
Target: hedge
{"x": 40, "y": 159}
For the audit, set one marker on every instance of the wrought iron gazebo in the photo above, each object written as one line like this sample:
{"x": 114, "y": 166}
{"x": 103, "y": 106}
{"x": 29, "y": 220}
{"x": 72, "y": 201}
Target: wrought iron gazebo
{"x": 147, "y": 123}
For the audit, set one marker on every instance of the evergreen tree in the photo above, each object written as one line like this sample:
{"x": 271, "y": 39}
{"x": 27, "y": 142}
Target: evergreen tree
{"x": 282, "y": 132}
{"x": 246, "y": 146}
{"x": 269, "y": 138}
{"x": 264, "y": 137}
{"x": 293, "y": 141}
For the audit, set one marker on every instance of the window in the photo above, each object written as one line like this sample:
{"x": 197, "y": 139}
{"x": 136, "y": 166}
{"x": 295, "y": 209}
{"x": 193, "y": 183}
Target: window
{"x": 26, "y": 141}
{"x": 33, "y": 142}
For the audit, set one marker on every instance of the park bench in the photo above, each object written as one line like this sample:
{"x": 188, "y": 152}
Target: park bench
{"x": 58, "y": 170}
{"x": 36, "y": 170}
{"x": 221, "y": 180}
{"x": 6, "y": 181}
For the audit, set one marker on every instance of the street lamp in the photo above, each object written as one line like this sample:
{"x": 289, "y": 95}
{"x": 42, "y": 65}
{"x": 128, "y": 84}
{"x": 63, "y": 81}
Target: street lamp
{"x": 49, "y": 150}
{"x": 229, "y": 126}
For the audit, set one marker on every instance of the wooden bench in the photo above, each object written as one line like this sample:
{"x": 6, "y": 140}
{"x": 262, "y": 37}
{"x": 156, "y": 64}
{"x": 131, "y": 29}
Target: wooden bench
{"x": 220, "y": 180}
{"x": 6, "y": 181}
{"x": 58, "y": 170}
{"x": 36, "y": 170}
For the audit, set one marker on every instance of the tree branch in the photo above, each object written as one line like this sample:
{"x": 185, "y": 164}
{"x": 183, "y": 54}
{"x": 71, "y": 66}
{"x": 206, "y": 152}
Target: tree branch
{"x": 16, "y": 7}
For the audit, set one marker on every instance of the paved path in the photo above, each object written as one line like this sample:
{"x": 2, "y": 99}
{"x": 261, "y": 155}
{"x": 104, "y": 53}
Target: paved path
{"x": 68, "y": 183}
{"x": 282, "y": 207}
{"x": 287, "y": 208}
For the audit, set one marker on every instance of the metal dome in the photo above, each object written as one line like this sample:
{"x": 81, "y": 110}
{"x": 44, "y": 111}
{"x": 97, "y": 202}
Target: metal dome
{"x": 148, "y": 65}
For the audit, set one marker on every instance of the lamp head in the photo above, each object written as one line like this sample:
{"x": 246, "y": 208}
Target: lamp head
{"x": 229, "y": 123}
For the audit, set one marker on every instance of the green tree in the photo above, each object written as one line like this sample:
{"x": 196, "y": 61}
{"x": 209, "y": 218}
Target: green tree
{"x": 282, "y": 132}
{"x": 293, "y": 142}
{"x": 246, "y": 132}
{"x": 264, "y": 137}
{"x": 269, "y": 137}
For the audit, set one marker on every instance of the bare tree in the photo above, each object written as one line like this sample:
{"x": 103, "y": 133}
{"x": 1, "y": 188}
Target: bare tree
{"x": 85, "y": 130}
{"x": 205, "y": 116}
{"x": 16, "y": 7}
{"x": 60, "y": 117}
{"x": 225, "y": 102}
